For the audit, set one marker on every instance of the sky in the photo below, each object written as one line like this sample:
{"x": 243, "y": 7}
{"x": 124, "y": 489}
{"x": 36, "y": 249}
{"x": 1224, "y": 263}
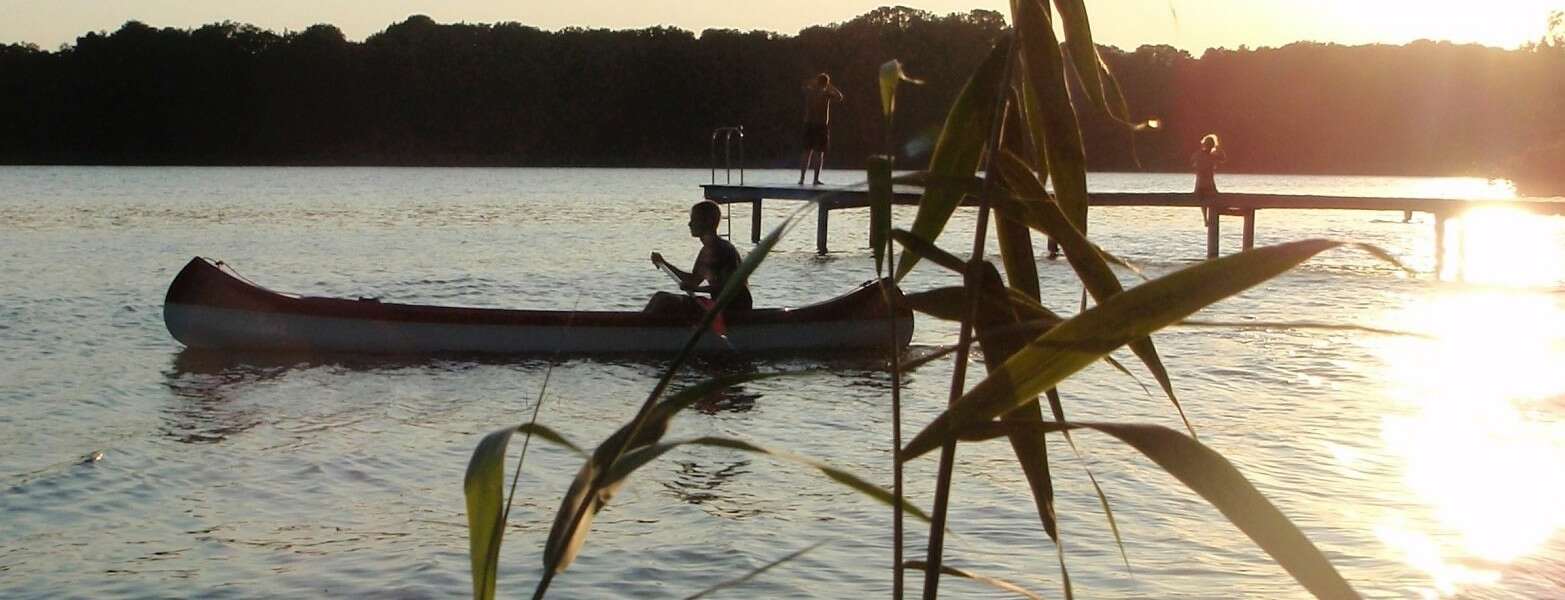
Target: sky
{"x": 1189, "y": 24}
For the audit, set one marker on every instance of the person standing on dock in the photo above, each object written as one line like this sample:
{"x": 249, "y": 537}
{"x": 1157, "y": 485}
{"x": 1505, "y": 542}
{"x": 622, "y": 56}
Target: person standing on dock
{"x": 1205, "y": 162}
{"x": 819, "y": 93}
{"x": 715, "y": 264}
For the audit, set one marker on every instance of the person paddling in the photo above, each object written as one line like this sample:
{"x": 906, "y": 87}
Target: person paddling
{"x": 715, "y": 265}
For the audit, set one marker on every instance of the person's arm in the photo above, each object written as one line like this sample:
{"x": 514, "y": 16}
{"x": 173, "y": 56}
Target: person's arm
{"x": 1219, "y": 156}
{"x": 699, "y": 272}
{"x": 836, "y": 94}
{"x": 687, "y": 280}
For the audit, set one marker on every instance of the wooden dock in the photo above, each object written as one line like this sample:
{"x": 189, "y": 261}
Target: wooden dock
{"x": 1242, "y": 205}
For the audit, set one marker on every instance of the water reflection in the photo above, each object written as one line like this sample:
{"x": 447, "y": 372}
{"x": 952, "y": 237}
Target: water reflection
{"x": 1504, "y": 246}
{"x": 700, "y": 484}
{"x": 1479, "y": 429}
{"x": 203, "y": 383}
{"x": 209, "y": 387}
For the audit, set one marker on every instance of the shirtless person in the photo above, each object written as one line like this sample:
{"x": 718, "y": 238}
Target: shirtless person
{"x": 818, "y": 96}
{"x": 716, "y": 263}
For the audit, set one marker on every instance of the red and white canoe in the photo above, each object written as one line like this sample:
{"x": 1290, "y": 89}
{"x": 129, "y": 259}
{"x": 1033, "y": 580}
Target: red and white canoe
{"x": 209, "y": 306}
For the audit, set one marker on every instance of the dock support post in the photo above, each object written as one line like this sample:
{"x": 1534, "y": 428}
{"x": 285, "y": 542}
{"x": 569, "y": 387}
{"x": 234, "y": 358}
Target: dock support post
{"x": 1439, "y": 243}
{"x": 1212, "y": 218}
{"x": 1249, "y": 229}
{"x": 755, "y": 221}
{"x": 820, "y": 230}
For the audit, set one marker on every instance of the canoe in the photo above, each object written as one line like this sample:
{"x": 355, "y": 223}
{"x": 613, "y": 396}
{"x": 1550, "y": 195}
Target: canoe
{"x": 209, "y": 306}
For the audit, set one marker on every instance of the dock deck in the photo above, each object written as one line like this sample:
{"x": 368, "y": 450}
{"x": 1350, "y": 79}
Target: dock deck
{"x": 1243, "y": 205}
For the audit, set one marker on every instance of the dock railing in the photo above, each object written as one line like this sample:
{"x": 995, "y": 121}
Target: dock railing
{"x": 1239, "y": 204}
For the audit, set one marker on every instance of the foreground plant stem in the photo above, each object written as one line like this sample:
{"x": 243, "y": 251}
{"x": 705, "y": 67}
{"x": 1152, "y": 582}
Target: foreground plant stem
{"x": 972, "y": 280}
{"x": 880, "y": 183}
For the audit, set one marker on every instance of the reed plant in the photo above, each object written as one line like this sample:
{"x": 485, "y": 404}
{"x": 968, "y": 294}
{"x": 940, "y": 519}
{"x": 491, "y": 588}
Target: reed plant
{"x": 1015, "y": 123}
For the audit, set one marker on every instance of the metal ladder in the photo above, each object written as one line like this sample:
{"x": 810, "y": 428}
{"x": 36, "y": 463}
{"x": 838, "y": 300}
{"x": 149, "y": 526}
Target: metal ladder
{"x": 727, "y": 133}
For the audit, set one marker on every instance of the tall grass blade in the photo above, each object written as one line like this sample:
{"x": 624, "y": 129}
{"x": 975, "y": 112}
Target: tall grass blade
{"x": 1101, "y": 87}
{"x": 942, "y": 352}
{"x": 1300, "y": 326}
{"x": 1084, "y": 257}
{"x": 1125, "y": 317}
{"x": 880, "y": 197}
{"x": 1050, "y": 115}
{"x": 593, "y": 487}
{"x": 1058, "y": 409}
{"x": 880, "y": 194}
{"x": 943, "y": 474}
{"x": 1211, "y": 476}
{"x": 999, "y": 344}
{"x": 994, "y": 582}
{"x": 958, "y": 149}
{"x": 922, "y": 247}
{"x": 964, "y": 184}
{"x": 482, "y": 487}
{"x": 891, "y": 76}
{"x": 950, "y": 303}
{"x": 1021, "y": 270}
{"x": 743, "y": 579}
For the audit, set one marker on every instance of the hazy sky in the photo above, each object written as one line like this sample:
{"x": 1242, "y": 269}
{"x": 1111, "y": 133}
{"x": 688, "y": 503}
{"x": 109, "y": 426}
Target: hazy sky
{"x": 1189, "y": 24}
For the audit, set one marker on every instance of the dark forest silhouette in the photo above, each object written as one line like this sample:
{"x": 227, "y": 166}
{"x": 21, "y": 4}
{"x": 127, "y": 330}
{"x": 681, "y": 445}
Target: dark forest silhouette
{"x": 423, "y": 93}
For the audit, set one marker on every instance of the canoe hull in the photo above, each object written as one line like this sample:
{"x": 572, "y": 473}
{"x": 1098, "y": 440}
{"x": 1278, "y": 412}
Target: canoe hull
{"x": 210, "y": 307}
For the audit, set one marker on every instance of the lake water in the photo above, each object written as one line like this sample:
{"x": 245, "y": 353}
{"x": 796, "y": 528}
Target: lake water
{"x": 1423, "y": 466}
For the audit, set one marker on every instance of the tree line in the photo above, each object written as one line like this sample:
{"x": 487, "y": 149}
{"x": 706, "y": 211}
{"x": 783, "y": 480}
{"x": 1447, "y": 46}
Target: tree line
{"x": 425, "y": 93}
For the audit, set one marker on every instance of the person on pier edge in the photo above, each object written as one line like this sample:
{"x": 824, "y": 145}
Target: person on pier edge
{"x": 715, "y": 265}
{"x": 1205, "y": 162}
{"x": 819, "y": 93}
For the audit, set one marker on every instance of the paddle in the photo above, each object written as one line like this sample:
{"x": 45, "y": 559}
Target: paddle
{"x": 719, "y": 327}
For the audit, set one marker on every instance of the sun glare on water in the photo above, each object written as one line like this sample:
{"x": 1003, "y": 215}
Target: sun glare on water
{"x": 1504, "y": 246}
{"x": 1476, "y": 423}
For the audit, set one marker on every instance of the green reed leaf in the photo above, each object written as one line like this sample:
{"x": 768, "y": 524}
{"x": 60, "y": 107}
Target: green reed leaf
{"x": 1058, "y": 409}
{"x": 950, "y": 303}
{"x": 1118, "y": 320}
{"x": 1213, "y": 477}
{"x": 994, "y": 582}
{"x": 923, "y": 248}
{"x": 1300, "y": 325}
{"x": 1047, "y": 105}
{"x": 1101, "y": 87}
{"x": 880, "y": 194}
{"x": 966, "y": 185}
{"x": 593, "y": 488}
{"x": 892, "y": 74}
{"x": 999, "y": 343}
{"x": 911, "y": 364}
{"x": 1033, "y": 206}
{"x": 958, "y": 149}
{"x": 483, "y": 488}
